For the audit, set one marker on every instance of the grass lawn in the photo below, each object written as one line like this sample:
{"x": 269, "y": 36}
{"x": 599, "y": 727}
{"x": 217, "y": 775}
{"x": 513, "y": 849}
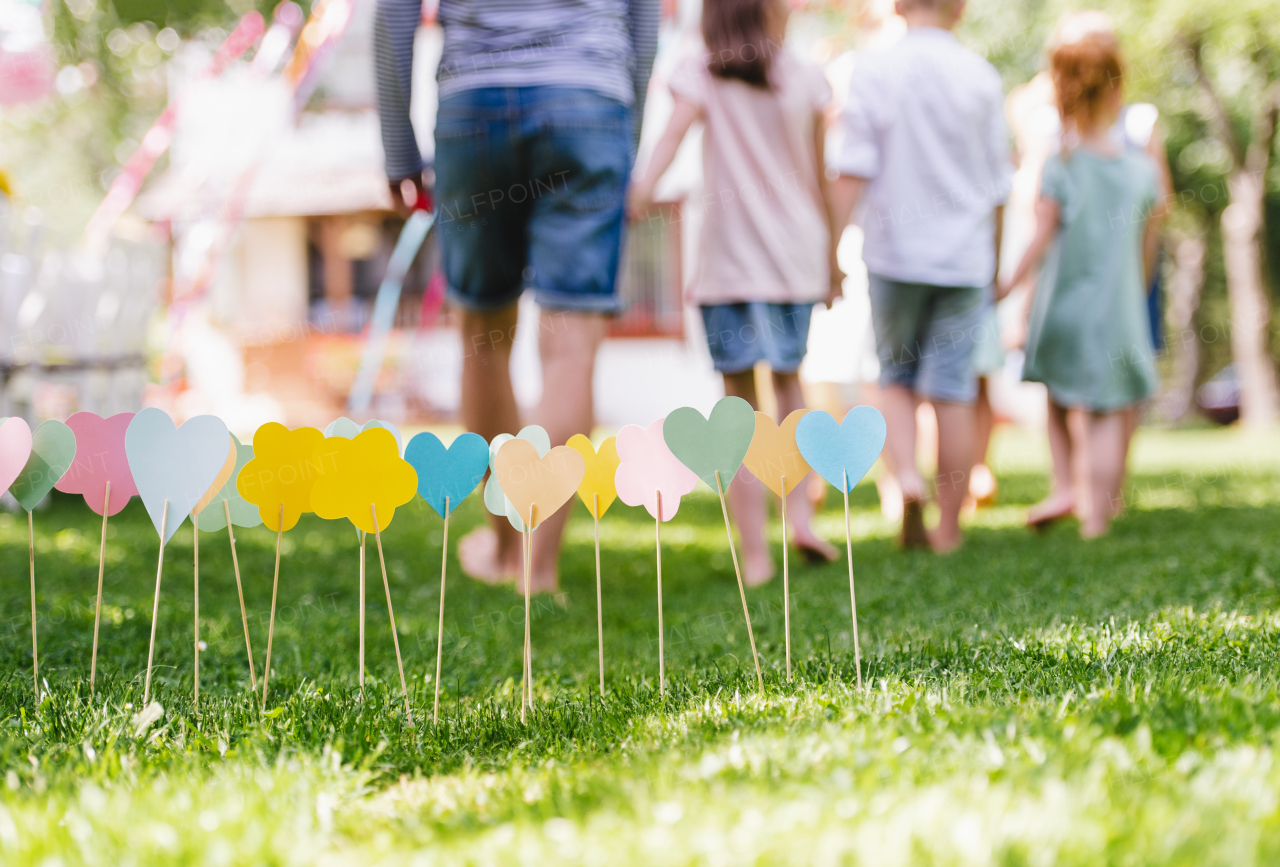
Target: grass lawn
{"x": 1028, "y": 700}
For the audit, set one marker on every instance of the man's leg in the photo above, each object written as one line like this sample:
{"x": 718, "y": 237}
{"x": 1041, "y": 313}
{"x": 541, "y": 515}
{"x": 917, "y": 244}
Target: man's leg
{"x": 955, "y": 457}
{"x": 567, "y": 344}
{"x": 488, "y": 409}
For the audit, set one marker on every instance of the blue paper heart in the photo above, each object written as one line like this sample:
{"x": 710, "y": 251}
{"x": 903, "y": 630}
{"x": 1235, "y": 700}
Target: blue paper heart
{"x": 453, "y": 472}
{"x": 177, "y": 464}
{"x": 842, "y": 453}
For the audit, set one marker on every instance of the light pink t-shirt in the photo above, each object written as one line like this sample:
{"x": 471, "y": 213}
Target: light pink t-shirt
{"x": 764, "y": 232}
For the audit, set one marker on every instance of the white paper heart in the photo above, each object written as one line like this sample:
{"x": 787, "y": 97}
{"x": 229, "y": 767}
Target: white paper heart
{"x": 177, "y": 464}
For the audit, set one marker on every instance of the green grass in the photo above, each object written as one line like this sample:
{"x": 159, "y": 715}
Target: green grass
{"x": 1028, "y": 700}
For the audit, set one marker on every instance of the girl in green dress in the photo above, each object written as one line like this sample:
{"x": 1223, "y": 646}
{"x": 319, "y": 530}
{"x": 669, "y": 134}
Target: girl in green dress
{"x": 1088, "y": 338}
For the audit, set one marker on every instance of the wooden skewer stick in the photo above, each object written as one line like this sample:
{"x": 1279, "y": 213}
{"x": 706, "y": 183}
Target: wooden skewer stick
{"x": 657, "y": 540}
{"x": 35, "y": 654}
{"x": 195, "y": 525}
{"x": 528, "y": 591}
{"x": 524, "y": 649}
{"x": 853, "y": 599}
{"x": 155, "y": 607}
{"x": 386, "y": 585}
{"x": 361, "y": 532}
{"x": 97, "y": 611}
{"x": 244, "y": 615}
{"x": 786, "y": 580}
{"x": 271, "y": 624}
{"x": 595, "y": 513}
{"x": 746, "y": 612}
{"x": 444, "y": 559}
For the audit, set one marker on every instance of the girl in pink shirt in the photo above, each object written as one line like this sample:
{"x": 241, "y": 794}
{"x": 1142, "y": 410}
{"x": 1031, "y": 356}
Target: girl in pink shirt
{"x": 769, "y": 235}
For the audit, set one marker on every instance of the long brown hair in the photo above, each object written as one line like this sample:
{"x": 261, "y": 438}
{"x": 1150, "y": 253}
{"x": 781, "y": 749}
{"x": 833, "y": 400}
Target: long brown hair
{"x": 736, "y": 33}
{"x": 1085, "y": 72}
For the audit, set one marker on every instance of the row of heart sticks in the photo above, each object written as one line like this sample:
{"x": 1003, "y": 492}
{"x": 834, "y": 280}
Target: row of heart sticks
{"x": 200, "y": 470}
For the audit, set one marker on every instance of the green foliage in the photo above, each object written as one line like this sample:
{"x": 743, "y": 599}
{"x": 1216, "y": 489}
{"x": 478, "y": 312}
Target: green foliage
{"x": 1030, "y": 699}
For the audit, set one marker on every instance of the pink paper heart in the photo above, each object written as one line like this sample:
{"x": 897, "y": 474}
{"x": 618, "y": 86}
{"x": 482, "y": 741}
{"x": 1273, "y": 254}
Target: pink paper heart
{"x": 100, "y": 458}
{"x": 648, "y": 466}
{"x": 15, "y": 449}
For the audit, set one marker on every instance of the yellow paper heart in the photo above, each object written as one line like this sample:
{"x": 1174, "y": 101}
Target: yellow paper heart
{"x": 228, "y": 467}
{"x": 774, "y": 456}
{"x": 597, "y": 482}
{"x": 542, "y": 485}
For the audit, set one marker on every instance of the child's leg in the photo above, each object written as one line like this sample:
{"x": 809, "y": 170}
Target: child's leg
{"x": 899, "y": 406}
{"x": 1105, "y": 443}
{"x": 1062, "y": 499}
{"x": 955, "y": 457}
{"x": 746, "y": 497}
{"x": 799, "y": 509}
{"x": 982, "y": 484}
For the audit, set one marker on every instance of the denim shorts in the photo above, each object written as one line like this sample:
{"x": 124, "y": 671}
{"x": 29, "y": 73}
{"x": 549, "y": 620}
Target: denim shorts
{"x": 531, "y": 184}
{"x": 739, "y": 335}
{"x": 925, "y": 337}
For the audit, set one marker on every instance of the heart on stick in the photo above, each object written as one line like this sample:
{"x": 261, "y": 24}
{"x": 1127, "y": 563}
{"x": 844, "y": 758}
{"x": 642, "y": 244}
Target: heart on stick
{"x": 712, "y": 445}
{"x": 646, "y": 466}
{"x": 53, "y": 449}
{"x": 100, "y": 458}
{"x": 178, "y": 464}
{"x": 447, "y": 473}
{"x": 494, "y": 499}
{"x": 597, "y": 489}
{"x": 15, "y": 448}
{"x": 225, "y": 474}
{"x": 243, "y": 514}
{"x": 774, "y": 456}
{"x": 541, "y": 483}
{"x": 842, "y": 452}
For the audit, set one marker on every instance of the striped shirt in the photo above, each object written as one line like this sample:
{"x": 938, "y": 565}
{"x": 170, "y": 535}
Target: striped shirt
{"x": 602, "y": 45}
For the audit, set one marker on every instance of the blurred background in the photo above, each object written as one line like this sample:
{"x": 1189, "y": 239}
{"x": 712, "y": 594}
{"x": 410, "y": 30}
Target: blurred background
{"x": 194, "y": 214}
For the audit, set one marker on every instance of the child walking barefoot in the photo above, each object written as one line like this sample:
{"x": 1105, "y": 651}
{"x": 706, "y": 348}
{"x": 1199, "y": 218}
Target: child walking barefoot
{"x": 768, "y": 241}
{"x": 1088, "y": 339}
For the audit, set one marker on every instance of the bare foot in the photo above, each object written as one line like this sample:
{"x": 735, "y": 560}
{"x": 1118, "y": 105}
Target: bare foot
{"x": 982, "y": 486}
{"x": 1093, "y": 529}
{"x": 890, "y": 497}
{"x": 944, "y": 544}
{"x": 757, "y": 569}
{"x": 1052, "y": 508}
{"x": 913, "y": 532}
{"x": 814, "y": 548}
{"x": 479, "y": 557}
{"x": 543, "y": 582}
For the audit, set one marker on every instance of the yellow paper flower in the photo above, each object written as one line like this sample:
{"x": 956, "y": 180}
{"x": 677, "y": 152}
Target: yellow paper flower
{"x": 282, "y": 471}
{"x": 359, "y": 473}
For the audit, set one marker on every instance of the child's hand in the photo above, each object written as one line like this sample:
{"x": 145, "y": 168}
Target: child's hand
{"x": 639, "y": 200}
{"x": 1003, "y": 288}
{"x": 836, "y": 288}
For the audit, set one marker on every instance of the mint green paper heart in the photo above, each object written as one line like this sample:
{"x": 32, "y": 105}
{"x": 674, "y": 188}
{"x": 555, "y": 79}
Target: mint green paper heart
{"x": 53, "y": 449}
{"x": 711, "y": 445}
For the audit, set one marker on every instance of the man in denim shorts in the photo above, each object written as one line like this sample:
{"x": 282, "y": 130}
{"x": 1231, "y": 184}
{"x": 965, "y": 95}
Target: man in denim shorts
{"x": 540, "y": 108}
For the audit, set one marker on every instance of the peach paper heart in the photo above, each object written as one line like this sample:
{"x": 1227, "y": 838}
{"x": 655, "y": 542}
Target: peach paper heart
{"x": 774, "y": 456}
{"x": 543, "y": 484}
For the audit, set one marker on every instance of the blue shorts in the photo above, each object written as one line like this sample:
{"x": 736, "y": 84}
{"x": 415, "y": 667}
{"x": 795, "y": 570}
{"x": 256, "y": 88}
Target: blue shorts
{"x": 739, "y": 335}
{"x": 925, "y": 337}
{"x": 530, "y": 185}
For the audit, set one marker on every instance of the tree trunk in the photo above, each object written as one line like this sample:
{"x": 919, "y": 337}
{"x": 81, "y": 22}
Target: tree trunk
{"x": 1250, "y": 303}
{"x": 1182, "y": 342}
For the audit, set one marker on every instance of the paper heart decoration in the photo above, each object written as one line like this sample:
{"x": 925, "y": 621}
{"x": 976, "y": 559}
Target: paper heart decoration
{"x": 494, "y": 499}
{"x": 53, "y": 449}
{"x": 360, "y": 473}
{"x": 347, "y": 429}
{"x": 100, "y": 458}
{"x": 597, "y": 483}
{"x": 774, "y": 455}
{"x": 178, "y": 464}
{"x": 453, "y": 472}
{"x": 243, "y": 514}
{"x": 541, "y": 483}
{"x": 225, "y": 474}
{"x": 715, "y": 444}
{"x": 842, "y": 453}
{"x": 15, "y": 448}
{"x": 283, "y": 469}
{"x": 647, "y": 466}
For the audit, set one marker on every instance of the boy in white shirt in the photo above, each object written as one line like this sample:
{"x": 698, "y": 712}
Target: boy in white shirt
{"x": 924, "y": 143}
